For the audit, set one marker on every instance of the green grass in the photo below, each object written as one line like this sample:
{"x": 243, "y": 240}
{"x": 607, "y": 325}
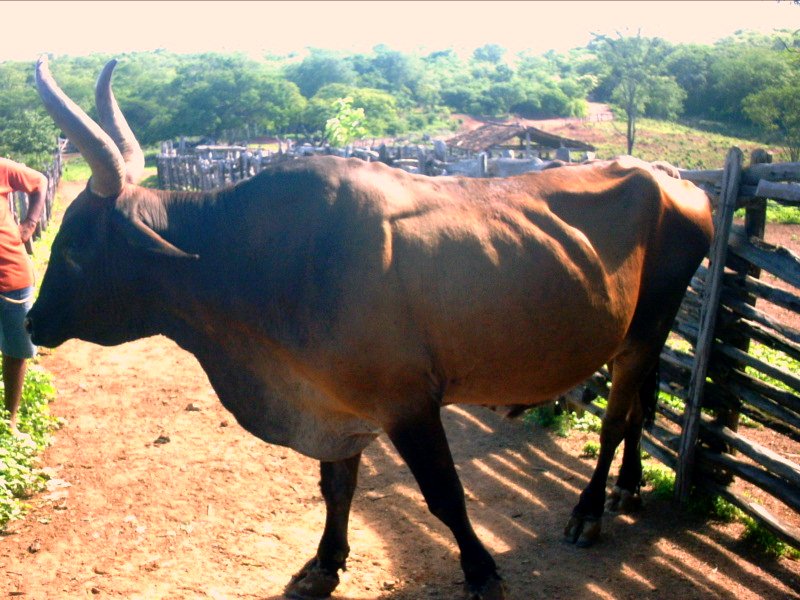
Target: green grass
{"x": 19, "y": 476}
{"x": 76, "y": 169}
{"x": 682, "y": 145}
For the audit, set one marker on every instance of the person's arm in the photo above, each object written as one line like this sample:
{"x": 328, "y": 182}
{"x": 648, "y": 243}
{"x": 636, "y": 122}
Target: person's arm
{"x": 33, "y": 183}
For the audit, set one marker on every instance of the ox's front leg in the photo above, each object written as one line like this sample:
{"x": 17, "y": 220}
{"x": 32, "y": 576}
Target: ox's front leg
{"x": 320, "y": 576}
{"x": 422, "y": 443}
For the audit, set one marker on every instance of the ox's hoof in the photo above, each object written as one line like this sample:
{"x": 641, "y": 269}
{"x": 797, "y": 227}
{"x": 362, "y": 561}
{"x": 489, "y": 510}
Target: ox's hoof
{"x": 622, "y": 500}
{"x": 582, "y": 531}
{"x": 493, "y": 589}
{"x": 311, "y": 582}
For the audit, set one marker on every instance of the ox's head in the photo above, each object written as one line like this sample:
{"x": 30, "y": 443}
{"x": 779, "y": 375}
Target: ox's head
{"x": 98, "y": 280}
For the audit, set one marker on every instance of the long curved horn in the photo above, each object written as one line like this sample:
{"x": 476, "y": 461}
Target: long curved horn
{"x": 114, "y": 123}
{"x": 99, "y": 150}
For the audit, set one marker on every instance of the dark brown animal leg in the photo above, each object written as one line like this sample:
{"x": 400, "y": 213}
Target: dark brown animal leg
{"x": 423, "y": 445}
{"x": 320, "y": 576}
{"x": 624, "y": 409}
{"x": 625, "y": 496}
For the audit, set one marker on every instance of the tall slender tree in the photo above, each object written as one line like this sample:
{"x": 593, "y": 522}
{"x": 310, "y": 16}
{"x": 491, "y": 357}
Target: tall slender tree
{"x": 635, "y": 67}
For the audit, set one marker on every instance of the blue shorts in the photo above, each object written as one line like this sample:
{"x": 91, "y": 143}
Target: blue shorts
{"x": 14, "y": 340}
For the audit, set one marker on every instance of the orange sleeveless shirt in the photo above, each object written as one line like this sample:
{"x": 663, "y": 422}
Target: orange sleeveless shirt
{"x": 16, "y": 270}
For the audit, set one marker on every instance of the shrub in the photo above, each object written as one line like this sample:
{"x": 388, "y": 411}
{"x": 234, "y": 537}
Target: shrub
{"x": 19, "y": 477}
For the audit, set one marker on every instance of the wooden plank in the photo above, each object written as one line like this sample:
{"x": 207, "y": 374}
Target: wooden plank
{"x": 779, "y": 261}
{"x": 712, "y": 176}
{"x": 777, "y": 395}
{"x": 730, "y": 188}
{"x": 772, "y": 461}
{"x": 748, "y": 391}
{"x": 751, "y": 361}
{"x": 764, "y": 404}
{"x": 774, "y": 486}
{"x": 769, "y": 339}
{"x": 764, "y": 290}
{"x": 771, "y": 172}
{"x": 787, "y": 192}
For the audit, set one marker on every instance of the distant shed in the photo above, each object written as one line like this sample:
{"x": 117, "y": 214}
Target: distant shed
{"x": 499, "y": 138}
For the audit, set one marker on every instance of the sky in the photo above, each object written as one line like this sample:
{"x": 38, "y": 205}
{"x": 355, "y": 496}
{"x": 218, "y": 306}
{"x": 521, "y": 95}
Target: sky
{"x": 80, "y": 28}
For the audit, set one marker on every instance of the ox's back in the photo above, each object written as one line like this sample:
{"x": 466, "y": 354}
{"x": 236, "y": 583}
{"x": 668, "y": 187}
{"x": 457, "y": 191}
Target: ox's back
{"x": 497, "y": 290}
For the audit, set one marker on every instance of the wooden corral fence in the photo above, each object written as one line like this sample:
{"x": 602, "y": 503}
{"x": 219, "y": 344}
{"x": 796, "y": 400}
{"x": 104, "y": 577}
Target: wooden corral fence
{"x": 207, "y": 168}
{"x": 19, "y": 200}
{"x": 713, "y": 370}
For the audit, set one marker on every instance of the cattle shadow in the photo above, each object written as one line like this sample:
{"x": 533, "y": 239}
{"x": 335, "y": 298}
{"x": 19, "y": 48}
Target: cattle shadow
{"x": 520, "y": 487}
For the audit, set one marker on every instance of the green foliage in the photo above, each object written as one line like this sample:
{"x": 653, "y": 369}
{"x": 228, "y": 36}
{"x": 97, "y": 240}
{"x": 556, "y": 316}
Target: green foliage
{"x": 19, "y": 477}
{"x": 777, "y": 110}
{"x": 766, "y": 542}
{"x": 552, "y": 416}
{"x": 712, "y": 506}
{"x": 346, "y": 125}
{"x": 774, "y": 358}
{"x": 635, "y": 71}
{"x": 318, "y": 69}
{"x": 661, "y": 479}
{"x": 76, "y": 169}
{"x": 590, "y": 450}
{"x": 777, "y": 213}
{"x": 28, "y": 137}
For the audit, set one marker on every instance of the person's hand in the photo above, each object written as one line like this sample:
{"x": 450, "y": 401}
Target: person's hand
{"x": 26, "y": 229}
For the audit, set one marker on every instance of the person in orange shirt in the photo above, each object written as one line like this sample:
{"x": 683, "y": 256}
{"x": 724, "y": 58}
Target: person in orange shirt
{"x": 17, "y": 277}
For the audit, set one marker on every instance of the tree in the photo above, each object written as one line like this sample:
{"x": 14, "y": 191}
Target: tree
{"x": 635, "y": 70}
{"x": 777, "y": 108}
{"x": 214, "y": 94}
{"x": 347, "y": 125}
{"x": 318, "y": 69}
{"x": 381, "y": 115}
{"x": 29, "y": 137}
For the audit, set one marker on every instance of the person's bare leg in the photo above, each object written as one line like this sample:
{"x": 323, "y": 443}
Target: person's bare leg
{"x": 13, "y": 380}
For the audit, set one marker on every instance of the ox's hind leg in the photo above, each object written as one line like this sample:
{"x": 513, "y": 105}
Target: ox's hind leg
{"x": 625, "y": 497}
{"x": 423, "y": 445}
{"x": 320, "y": 576}
{"x": 623, "y": 420}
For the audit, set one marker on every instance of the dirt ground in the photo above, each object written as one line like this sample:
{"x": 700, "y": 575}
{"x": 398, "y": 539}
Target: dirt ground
{"x": 157, "y": 493}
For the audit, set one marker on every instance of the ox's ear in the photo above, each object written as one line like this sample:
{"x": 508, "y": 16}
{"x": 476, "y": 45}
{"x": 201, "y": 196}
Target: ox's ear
{"x": 141, "y": 236}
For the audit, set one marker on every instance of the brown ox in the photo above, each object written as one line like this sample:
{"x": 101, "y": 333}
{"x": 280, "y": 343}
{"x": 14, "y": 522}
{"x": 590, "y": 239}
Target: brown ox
{"x": 328, "y": 299}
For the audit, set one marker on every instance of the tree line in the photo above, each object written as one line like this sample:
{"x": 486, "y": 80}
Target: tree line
{"x": 747, "y": 79}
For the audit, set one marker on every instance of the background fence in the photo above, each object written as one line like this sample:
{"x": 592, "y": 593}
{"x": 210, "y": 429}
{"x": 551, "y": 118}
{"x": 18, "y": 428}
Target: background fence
{"x": 724, "y": 360}
{"x": 211, "y": 167}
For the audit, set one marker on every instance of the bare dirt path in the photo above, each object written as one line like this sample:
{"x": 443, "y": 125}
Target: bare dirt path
{"x": 165, "y": 502}
{"x": 159, "y": 494}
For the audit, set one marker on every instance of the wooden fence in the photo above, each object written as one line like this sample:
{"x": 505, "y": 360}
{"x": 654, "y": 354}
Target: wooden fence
{"x": 209, "y": 168}
{"x": 19, "y": 200}
{"x": 713, "y": 369}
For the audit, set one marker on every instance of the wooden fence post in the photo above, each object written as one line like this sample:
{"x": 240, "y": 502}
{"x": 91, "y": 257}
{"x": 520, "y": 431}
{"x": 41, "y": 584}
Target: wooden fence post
{"x": 731, "y": 179}
{"x": 755, "y": 221}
